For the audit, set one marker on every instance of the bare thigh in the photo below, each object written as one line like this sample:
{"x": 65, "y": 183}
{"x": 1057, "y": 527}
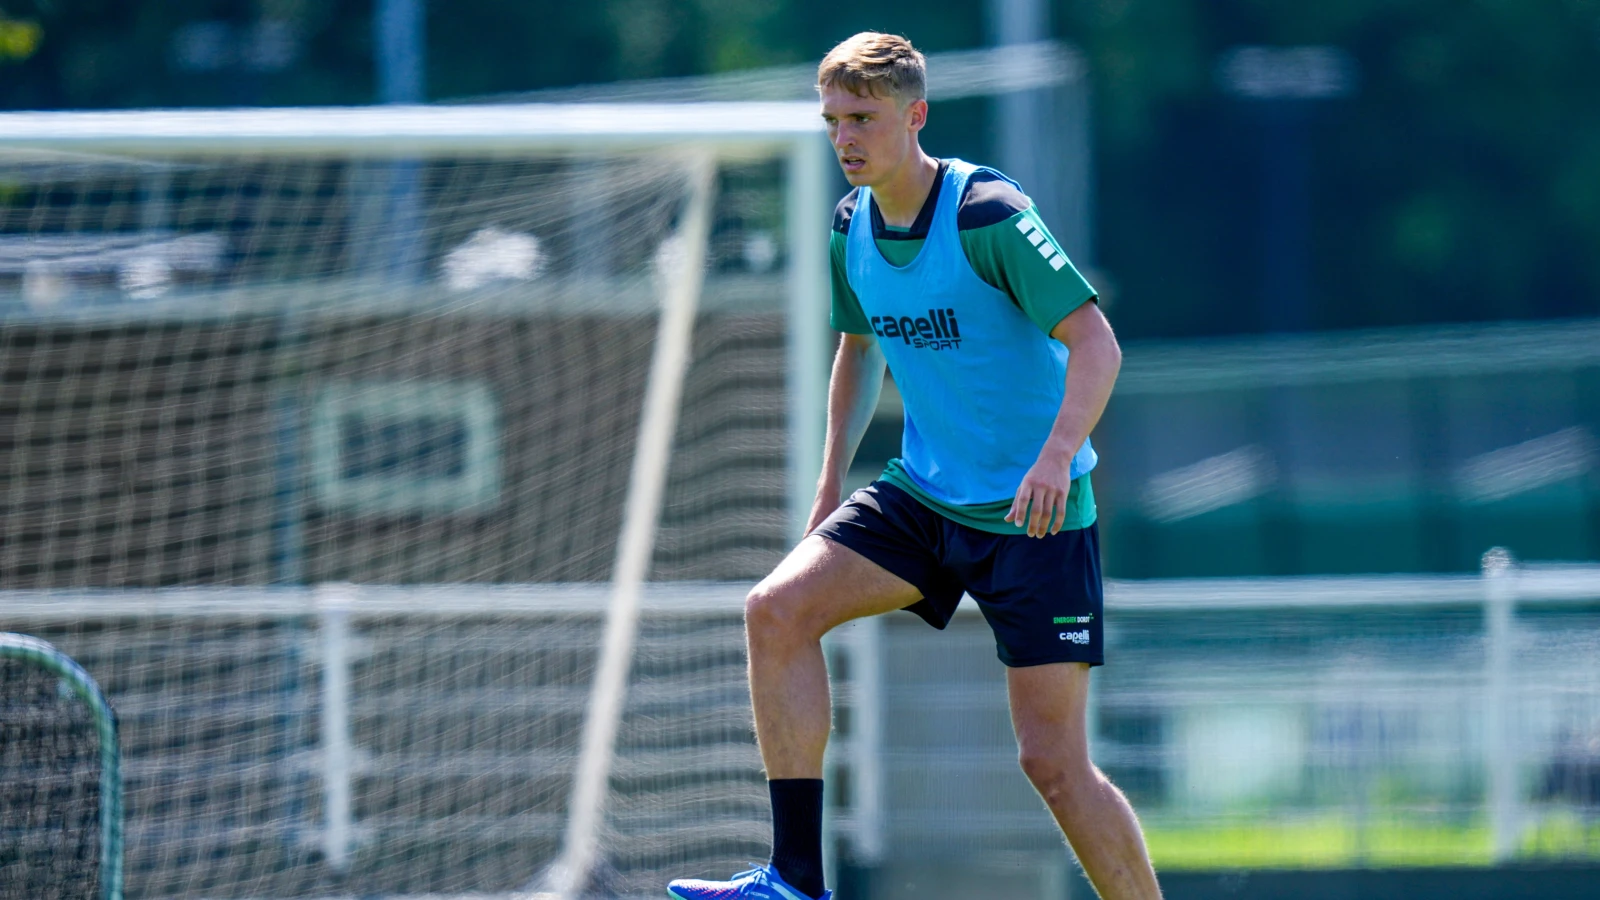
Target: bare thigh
{"x": 1048, "y": 711}
{"x": 821, "y": 585}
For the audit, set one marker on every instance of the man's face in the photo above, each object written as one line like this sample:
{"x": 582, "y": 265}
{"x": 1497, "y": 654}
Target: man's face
{"x": 872, "y": 136}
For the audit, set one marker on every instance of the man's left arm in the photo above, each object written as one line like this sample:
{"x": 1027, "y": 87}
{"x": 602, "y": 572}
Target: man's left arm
{"x": 1092, "y": 366}
{"x": 1010, "y": 247}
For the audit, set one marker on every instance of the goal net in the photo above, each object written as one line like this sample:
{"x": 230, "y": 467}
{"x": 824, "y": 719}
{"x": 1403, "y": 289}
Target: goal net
{"x": 60, "y": 788}
{"x": 387, "y": 465}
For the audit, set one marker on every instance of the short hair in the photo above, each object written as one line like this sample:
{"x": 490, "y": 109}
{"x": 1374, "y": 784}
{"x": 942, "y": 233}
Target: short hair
{"x": 875, "y": 64}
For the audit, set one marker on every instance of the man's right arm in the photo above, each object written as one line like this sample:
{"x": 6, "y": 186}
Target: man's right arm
{"x": 857, "y": 372}
{"x": 853, "y": 389}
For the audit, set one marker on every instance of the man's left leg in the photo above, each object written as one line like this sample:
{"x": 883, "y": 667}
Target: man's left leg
{"x": 1048, "y": 710}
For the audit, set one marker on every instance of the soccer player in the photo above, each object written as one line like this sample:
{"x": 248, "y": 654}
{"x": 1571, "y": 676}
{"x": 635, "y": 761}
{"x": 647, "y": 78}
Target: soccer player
{"x": 944, "y": 271}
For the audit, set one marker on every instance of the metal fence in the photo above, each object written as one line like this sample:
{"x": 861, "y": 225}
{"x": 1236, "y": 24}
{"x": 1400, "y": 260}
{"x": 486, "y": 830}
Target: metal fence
{"x": 301, "y": 742}
{"x": 1271, "y": 722}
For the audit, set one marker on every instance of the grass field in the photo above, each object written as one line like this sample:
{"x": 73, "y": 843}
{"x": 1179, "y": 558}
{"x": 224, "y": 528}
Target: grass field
{"x": 1335, "y": 842}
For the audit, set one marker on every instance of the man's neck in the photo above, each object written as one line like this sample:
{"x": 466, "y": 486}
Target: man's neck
{"x": 900, "y": 198}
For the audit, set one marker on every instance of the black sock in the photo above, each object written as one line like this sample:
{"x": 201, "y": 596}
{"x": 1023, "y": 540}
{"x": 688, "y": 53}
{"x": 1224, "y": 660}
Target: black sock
{"x": 797, "y": 832}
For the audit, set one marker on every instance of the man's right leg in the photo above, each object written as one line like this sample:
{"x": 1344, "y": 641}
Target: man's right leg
{"x": 818, "y": 587}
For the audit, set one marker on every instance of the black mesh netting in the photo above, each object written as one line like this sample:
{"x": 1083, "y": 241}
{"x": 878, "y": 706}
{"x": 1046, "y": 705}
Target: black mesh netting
{"x": 49, "y": 788}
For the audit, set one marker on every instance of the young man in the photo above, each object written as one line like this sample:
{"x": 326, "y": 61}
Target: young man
{"x": 944, "y": 271}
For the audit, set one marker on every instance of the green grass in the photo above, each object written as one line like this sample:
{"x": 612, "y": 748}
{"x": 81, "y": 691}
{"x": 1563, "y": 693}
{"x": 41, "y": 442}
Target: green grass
{"x": 1334, "y": 842}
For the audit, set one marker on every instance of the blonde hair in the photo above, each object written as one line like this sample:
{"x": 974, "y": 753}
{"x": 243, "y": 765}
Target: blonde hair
{"x": 878, "y": 65}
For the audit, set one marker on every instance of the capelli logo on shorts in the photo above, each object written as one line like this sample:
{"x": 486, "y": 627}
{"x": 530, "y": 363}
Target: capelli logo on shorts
{"x": 1077, "y": 637}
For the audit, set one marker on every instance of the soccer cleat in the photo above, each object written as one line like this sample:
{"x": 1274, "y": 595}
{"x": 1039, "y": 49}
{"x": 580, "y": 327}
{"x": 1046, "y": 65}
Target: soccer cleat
{"x": 760, "y": 883}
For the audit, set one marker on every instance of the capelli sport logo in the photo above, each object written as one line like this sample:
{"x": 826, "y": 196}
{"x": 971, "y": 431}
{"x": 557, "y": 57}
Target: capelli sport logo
{"x": 938, "y": 330}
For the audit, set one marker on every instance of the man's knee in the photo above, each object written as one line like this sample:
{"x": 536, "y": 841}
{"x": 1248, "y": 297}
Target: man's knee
{"x": 776, "y": 609}
{"x": 1059, "y": 777}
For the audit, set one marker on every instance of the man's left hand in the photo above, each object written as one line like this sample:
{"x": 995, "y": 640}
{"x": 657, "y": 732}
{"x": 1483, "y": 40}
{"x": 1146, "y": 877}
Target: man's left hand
{"x": 1041, "y": 504}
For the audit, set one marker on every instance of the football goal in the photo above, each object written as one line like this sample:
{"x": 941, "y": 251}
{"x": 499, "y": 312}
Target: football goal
{"x": 401, "y": 471}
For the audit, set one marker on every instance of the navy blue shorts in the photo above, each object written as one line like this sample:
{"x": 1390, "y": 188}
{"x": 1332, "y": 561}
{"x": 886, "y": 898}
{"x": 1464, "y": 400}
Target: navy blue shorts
{"x": 1041, "y": 596}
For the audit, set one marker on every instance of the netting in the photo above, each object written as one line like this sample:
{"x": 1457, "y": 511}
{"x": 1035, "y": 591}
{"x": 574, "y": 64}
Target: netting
{"x": 50, "y": 827}
{"x": 463, "y": 730}
{"x": 263, "y": 372}
{"x": 291, "y": 370}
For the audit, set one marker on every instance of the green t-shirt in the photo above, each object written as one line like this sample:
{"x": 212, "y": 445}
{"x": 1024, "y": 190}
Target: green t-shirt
{"x": 1001, "y": 254}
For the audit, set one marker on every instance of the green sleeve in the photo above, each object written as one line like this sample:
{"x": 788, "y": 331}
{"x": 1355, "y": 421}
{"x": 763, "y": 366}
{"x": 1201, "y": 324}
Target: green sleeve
{"x": 847, "y": 315}
{"x": 1020, "y": 257}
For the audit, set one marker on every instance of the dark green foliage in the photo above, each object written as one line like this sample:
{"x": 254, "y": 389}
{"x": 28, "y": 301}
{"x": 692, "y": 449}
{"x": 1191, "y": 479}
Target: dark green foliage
{"x": 1461, "y": 182}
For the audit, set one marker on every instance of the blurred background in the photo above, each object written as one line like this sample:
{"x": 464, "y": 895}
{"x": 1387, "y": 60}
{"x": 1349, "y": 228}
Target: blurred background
{"x": 1352, "y": 250}
{"x": 1259, "y": 182}
{"x": 1249, "y": 184}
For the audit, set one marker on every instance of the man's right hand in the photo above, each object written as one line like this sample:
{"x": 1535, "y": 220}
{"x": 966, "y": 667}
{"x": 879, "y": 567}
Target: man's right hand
{"x": 827, "y": 501}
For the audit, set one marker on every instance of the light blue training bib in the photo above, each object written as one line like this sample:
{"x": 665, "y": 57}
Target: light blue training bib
{"x": 981, "y": 384}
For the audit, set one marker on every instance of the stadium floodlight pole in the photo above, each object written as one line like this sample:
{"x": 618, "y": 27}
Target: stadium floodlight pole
{"x": 398, "y": 35}
{"x": 684, "y": 276}
{"x": 398, "y": 29}
{"x": 1282, "y": 82}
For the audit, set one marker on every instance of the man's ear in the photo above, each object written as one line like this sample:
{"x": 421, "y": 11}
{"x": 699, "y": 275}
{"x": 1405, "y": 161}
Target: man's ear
{"x": 919, "y": 114}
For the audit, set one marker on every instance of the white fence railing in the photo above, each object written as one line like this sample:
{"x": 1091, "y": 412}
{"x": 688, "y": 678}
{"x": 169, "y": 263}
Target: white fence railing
{"x": 1464, "y": 706}
{"x": 269, "y": 735}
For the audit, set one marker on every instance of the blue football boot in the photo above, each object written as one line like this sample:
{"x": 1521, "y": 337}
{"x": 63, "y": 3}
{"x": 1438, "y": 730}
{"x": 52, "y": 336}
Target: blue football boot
{"x": 760, "y": 883}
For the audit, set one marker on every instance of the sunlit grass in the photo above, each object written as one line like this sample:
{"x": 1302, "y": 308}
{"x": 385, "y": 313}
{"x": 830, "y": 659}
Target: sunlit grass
{"x": 1334, "y": 842}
